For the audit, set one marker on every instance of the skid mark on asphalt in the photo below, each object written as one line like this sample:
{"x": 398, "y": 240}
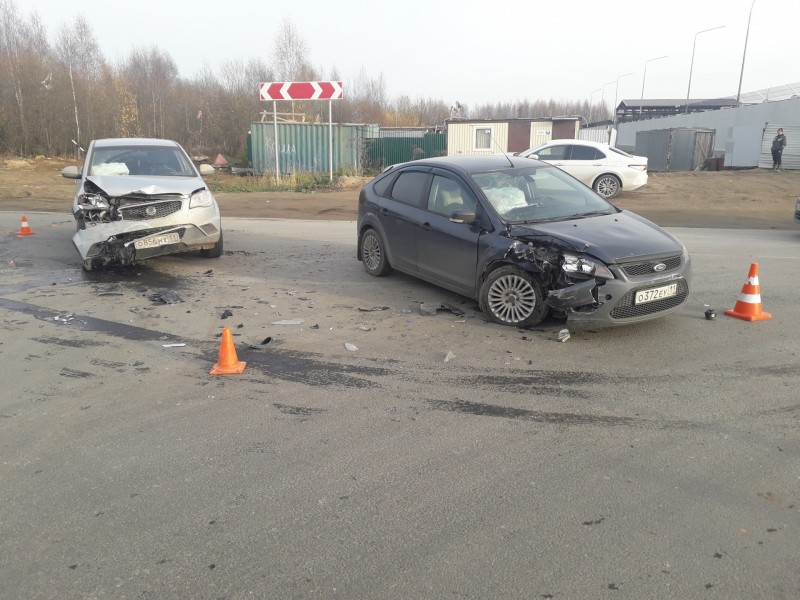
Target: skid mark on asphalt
{"x": 74, "y": 373}
{"x": 54, "y": 341}
{"x": 299, "y": 368}
{"x": 298, "y": 411}
{"x": 84, "y": 323}
{"x": 550, "y": 418}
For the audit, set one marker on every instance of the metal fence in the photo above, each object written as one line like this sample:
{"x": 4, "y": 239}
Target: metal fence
{"x": 394, "y": 146}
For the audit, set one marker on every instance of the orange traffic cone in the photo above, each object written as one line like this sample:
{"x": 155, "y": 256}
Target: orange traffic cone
{"x": 228, "y": 363}
{"x": 24, "y": 230}
{"x": 748, "y": 306}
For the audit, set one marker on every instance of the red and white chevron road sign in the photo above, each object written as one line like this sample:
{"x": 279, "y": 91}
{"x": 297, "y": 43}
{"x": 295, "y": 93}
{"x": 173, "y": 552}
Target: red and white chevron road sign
{"x": 301, "y": 90}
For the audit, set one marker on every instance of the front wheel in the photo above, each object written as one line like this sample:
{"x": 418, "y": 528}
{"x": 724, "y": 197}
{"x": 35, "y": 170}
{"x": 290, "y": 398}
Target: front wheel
{"x": 214, "y": 252}
{"x": 374, "y": 254}
{"x": 608, "y": 186}
{"x": 510, "y": 296}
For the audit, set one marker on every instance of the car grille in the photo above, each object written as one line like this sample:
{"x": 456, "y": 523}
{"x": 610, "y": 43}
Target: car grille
{"x": 646, "y": 268}
{"x": 138, "y": 212}
{"x": 626, "y": 309}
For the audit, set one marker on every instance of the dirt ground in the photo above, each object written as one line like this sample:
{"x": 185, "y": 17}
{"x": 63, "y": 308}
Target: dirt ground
{"x": 742, "y": 199}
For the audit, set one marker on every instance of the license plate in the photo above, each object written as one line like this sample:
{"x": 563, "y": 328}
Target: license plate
{"x": 157, "y": 240}
{"x": 653, "y": 294}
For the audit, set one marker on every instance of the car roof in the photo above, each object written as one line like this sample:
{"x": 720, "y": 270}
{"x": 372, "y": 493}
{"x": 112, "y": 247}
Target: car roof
{"x": 476, "y": 163}
{"x": 133, "y": 142}
{"x": 561, "y": 142}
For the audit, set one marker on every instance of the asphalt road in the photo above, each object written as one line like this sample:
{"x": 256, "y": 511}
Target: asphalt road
{"x": 658, "y": 460}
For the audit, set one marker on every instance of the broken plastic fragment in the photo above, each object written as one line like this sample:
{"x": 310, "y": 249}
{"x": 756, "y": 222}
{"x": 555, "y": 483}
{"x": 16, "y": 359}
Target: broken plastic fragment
{"x": 351, "y": 347}
{"x": 288, "y": 322}
{"x": 166, "y": 296}
{"x": 450, "y": 356}
{"x": 427, "y": 309}
{"x": 172, "y": 345}
{"x": 563, "y": 335}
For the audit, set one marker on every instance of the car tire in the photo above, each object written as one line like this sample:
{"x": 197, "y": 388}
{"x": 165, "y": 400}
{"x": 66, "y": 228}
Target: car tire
{"x": 214, "y": 252}
{"x": 510, "y": 296}
{"x": 373, "y": 254}
{"x": 608, "y": 186}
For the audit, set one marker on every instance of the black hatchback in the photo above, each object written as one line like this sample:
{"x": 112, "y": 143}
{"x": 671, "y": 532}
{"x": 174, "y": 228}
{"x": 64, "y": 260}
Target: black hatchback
{"x": 523, "y": 238}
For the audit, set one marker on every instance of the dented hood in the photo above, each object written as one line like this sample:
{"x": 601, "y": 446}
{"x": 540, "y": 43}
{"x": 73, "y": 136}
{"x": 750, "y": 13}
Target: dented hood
{"x": 117, "y": 185}
{"x": 611, "y": 238}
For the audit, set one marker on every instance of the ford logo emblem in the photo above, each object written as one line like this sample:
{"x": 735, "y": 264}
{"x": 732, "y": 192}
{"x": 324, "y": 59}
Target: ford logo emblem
{"x": 659, "y": 267}
{"x": 151, "y": 211}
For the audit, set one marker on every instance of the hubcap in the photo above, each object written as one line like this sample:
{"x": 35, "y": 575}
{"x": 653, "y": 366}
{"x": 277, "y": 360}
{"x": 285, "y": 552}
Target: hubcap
{"x": 512, "y": 299}
{"x": 607, "y": 187}
{"x": 371, "y": 250}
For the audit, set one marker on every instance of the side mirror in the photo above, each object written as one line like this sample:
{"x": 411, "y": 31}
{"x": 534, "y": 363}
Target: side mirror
{"x": 206, "y": 169}
{"x": 71, "y": 172}
{"x": 463, "y": 215}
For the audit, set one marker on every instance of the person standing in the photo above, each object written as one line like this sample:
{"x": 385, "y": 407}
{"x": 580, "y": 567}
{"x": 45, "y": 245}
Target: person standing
{"x": 778, "y": 144}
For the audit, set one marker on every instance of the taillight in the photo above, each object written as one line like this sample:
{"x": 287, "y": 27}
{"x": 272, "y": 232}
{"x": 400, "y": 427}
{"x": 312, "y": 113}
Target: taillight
{"x": 639, "y": 167}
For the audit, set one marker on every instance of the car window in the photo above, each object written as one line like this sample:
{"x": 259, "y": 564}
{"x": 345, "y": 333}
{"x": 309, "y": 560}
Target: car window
{"x": 551, "y": 153}
{"x": 447, "y": 196}
{"x": 621, "y": 152}
{"x": 585, "y": 153}
{"x": 381, "y": 186}
{"x": 409, "y": 188}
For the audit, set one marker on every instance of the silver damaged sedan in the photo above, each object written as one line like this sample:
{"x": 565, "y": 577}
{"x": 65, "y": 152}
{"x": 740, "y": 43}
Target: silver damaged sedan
{"x": 139, "y": 198}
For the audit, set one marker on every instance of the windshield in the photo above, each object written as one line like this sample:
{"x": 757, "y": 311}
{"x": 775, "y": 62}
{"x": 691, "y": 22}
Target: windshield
{"x": 542, "y": 193}
{"x": 141, "y": 160}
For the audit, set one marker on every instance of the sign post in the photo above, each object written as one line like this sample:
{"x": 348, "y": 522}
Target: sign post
{"x": 302, "y": 90}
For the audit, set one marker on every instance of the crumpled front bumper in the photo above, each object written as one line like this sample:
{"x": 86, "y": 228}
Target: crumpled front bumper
{"x": 611, "y": 302}
{"x": 113, "y": 242}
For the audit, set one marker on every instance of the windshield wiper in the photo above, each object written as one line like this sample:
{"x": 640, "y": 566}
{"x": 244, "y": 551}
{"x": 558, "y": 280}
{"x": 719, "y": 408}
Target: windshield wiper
{"x": 594, "y": 213}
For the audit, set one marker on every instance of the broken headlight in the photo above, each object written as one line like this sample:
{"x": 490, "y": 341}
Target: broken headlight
{"x": 575, "y": 265}
{"x": 201, "y": 198}
{"x": 93, "y": 202}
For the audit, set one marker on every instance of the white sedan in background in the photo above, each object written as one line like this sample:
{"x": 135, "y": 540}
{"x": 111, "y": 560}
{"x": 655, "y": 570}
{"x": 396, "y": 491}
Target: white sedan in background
{"x": 605, "y": 169}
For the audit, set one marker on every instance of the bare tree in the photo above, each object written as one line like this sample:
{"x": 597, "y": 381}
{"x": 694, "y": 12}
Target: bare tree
{"x": 152, "y": 73}
{"x": 367, "y": 98}
{"x": 21, "y": 64}
{"x": 52, "y": 94}
{"x": 291, "y": 54}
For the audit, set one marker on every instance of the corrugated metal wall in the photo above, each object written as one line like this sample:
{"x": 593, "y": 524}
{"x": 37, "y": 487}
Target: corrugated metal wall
{"x": 791, "y": 154}
{"x": 680, "y": 149}
{"x": 387, "y": 150}
{"x": 461, "y": 138}
{"x": 303, "y": 147}
{"x": 655, "y": 146}
{"x": 728, "y": 124}
{"x": 602, "y": 134}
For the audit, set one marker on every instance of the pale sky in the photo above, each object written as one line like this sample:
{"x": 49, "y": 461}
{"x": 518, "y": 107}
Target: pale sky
{"x": 472, "y": 51}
